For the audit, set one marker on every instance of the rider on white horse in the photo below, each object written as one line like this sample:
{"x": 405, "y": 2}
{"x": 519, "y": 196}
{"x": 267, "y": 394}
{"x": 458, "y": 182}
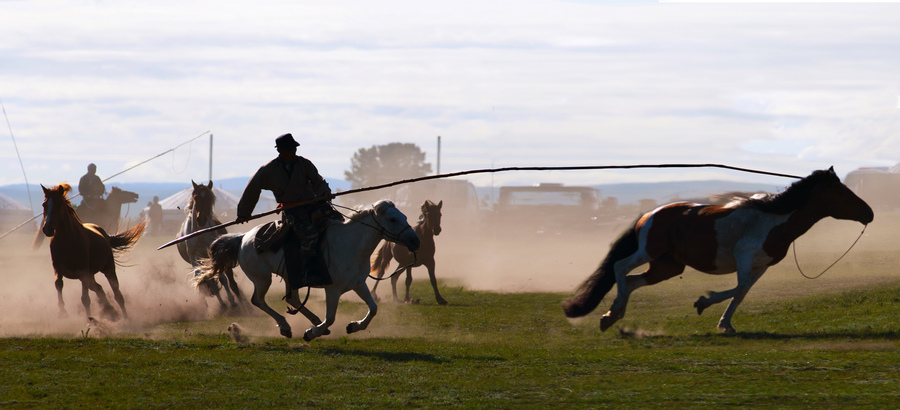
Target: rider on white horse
{"x": 292, "y": 178}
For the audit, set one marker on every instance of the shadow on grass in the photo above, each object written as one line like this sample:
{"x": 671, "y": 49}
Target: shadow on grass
{"x": 403, "y": 357}
{"x": 845, "y": 335}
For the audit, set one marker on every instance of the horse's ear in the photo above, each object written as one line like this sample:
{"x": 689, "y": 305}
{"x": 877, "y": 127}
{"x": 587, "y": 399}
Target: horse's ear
{"x": 194, "y": 184}
{"x": 831, "y": 169}
{"x": 46, "y": 191}
{"x": 210, "y": 184}
{"x": 440, "y": 204}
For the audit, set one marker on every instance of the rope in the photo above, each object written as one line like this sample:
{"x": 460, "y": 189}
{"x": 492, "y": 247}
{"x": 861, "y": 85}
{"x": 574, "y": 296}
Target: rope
{"x": 104, "y": 180}
{"x": 475, "y": 171}
{"x": 829, "y": 266}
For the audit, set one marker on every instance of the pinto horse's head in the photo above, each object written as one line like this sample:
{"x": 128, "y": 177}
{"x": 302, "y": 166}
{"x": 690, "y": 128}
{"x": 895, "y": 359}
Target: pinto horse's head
{"x": 838, "y": 201}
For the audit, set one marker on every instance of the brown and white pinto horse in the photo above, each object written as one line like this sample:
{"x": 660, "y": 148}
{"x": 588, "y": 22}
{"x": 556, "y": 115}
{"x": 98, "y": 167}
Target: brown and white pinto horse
{"x": 745, "y": 236}
{"x": 79, "y": 250}
{"x": 427, "y": 228}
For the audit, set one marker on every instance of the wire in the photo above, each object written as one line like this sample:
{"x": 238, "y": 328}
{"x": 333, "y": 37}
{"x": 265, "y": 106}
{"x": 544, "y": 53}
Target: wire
{"x": 107, "y": 179}
{"x": 27, "y": 188}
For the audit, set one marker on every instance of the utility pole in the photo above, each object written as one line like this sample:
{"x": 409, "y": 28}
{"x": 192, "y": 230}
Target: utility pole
{"x": 210, "y": 156}
{"x": 439, "y": 155}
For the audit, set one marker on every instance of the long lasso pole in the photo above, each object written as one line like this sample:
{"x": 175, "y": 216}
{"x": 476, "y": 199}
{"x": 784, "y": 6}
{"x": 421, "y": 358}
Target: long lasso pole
{"x": 104, "y": 180}
{"x": 470, "y": 172}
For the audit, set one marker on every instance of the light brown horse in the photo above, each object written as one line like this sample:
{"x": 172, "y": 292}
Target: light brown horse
{"x": 79, "y": 250}
{"x": 427, "y": 228}
{"x": 745, "y": 236}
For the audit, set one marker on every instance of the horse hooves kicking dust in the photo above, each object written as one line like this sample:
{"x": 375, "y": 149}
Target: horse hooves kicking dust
{"x": 746, "y": 235}
{"x": 347, "y": 247}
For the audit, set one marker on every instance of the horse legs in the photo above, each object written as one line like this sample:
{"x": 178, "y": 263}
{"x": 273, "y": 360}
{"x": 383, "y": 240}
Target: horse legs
{"x": 746, "y": 279}
{"x": 108, "y": 310}
{"x": 621, "y": 269}
{"x": 60, "y": 303}
{"x": 434, "y": 285}
{"x": 363, "y": 291}
{"x": 231, "y": 288}
{"x": 114, "y": 285}
{"x": 408, "y": 281}
{"x": 332, "y": 296}
{"x": 660, "y": 269}
{"x": 261, "y": 285}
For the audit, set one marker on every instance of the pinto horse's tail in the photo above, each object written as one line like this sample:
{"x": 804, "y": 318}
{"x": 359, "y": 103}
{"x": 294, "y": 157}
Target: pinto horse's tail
{"x": 596, "y": 286}
{"x": 124, "y": 241}
{"x": 381, "y": 260}
{"x": 223, "y": 255}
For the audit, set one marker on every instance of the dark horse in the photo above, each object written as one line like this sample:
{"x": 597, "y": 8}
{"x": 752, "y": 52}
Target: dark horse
{"x": 79, "y": 250}
{"x": 107, "y": 211}
{"x": 200, "y": 215}
{"x": 427, "y": 228}
{"x": 745, "y": 236}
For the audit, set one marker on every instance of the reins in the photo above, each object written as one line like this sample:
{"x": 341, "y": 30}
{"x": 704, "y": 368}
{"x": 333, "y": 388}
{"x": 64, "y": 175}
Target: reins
{"x": 794, "y": 247}
{"x": 385, "y": 233}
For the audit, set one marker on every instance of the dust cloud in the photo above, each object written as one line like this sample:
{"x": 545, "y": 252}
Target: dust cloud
{"x": 155, "y": 284}
{"x": 157, "y": 289}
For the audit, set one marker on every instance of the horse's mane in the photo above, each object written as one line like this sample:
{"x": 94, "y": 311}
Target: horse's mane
{"x": 63, "y": 189}
{"x": 793, "y": 197}
{"x": 362, "y": 211}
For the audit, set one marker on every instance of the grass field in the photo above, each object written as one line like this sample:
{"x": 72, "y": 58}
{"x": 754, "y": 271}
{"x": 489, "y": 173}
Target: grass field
{"x": 833, "y": 342}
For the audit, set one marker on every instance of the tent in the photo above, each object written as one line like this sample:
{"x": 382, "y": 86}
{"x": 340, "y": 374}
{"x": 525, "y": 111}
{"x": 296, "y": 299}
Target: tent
{"x": 175, "y": 205}
{"x": 12, "y": 214}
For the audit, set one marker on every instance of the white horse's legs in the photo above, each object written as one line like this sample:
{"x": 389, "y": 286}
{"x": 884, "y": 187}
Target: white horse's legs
{"x": 363, "y": 291}
{"x": 332, "y": 296}
{"x": 261, "y": 285}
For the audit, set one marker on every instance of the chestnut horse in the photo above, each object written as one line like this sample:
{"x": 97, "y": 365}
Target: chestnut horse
{"x": 427, "y": 228}
{"x": 79, "y": 250}
{"x": 745, "y": 236}
{"x": 108, "y": 211}
{"x": 200, "y": 216}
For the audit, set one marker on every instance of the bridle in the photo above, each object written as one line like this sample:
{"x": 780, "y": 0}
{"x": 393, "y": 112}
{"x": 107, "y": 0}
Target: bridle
{"x": 384, "y": 232}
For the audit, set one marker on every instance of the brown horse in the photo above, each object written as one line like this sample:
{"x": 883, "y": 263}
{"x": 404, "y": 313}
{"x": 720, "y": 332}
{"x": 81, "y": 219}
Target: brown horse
{"x": 107, "y": 212}
{"x": 427, "y": 228}
{"x": 79, "y": 250}
{"x": 745, "y": 236}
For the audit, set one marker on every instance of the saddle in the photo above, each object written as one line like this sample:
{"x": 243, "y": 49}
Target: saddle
{"x": 272, "y": 236}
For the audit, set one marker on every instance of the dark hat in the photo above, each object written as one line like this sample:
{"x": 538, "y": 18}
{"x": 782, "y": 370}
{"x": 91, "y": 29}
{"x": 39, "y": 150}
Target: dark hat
{"x": 286, "y": 141}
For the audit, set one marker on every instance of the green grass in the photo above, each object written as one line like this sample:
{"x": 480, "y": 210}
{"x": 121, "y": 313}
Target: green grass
{"x": 489, "y": 350}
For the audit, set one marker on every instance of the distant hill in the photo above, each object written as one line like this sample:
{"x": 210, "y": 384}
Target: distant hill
{"x": 629, "y": 193}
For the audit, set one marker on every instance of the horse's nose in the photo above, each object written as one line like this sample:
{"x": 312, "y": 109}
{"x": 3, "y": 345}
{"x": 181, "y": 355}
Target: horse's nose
{"x": 868, "y": 217}
{"x": 437, "y": 231}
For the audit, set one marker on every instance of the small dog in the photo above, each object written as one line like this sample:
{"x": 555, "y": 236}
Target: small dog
{"x": 237, "y": 333}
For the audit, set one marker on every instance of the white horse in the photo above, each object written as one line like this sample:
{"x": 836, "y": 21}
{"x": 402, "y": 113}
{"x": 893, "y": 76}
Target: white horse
{"x": 199, "y": 216}
{"x": 347, "y": 249}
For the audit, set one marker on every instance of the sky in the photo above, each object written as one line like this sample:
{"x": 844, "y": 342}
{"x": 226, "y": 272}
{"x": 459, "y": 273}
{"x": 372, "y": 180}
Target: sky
{"x": 782, "y": 87}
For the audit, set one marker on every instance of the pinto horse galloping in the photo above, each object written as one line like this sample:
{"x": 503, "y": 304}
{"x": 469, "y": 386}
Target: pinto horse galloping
{"x": 745, "y": 236}
{"x": 427, "y": 228}
{"x": 79, "y": 250}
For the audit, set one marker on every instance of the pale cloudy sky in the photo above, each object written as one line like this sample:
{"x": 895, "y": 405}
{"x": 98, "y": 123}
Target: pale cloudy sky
{"x": 782, "y": 87}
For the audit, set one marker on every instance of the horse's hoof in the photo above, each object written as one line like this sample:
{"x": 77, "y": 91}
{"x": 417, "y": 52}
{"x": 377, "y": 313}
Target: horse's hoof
{"x": 307, "y": 336}
{"x": 607, "y": 320}
{"x": 728, "y": 330}
{"x": 441, "y": 302}
{"x": 700, "y": 305}
{"x": 286, "y": 332}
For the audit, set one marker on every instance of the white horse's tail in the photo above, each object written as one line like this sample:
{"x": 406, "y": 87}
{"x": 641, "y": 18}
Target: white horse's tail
{"x": 223, "y": 255}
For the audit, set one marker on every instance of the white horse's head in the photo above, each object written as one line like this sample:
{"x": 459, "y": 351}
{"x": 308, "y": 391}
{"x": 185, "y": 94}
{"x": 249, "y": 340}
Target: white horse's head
{"x": 394, "y": 226}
